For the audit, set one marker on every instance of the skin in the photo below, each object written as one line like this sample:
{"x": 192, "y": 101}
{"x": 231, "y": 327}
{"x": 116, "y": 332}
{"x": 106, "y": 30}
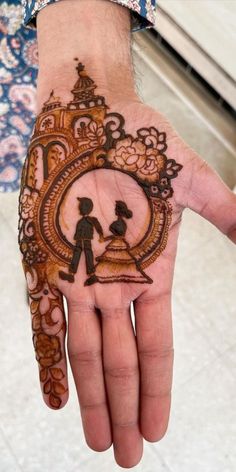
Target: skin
{"x": 122, "y": 373}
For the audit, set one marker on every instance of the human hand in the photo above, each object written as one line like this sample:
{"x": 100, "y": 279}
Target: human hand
{"x": 129, "y": 154}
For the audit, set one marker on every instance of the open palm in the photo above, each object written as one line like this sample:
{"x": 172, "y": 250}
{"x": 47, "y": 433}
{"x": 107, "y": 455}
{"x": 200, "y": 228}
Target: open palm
{"x": 102, "y": 196}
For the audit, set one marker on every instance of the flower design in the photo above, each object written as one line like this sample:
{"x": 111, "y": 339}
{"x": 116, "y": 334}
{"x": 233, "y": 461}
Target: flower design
{"x": 12, "y": 144}
{"x": 153, "y": 165}
{"x": 47, "y": 123}
{"x": 19, "y": 124}
{"x": 153, "y": 138}
{"x": 25, "y": 94}
{"x": 11, "y": 18}
{"x": 134, "y": 156}
{"x": 128, "y": 154}
{"x": 96, "y": 134}
{"x": 30, "y": 53}
{"x": 27, "y": 202}
{"x": 47, "y": 349}
{"x": 172, "y": 168}
{"x": 8, "y": 174}
{"x": 32, "y": 253}
{"x": 7, "y": 57}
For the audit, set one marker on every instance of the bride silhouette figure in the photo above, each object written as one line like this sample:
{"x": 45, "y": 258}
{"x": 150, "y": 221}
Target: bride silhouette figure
{"x": 117, "y": 264}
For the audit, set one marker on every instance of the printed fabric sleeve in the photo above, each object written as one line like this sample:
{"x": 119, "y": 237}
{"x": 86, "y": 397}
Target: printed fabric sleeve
{"x": 143, "y": 11}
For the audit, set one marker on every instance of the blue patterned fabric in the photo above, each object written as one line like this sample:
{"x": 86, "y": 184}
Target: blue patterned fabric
{"x": 143, "y": 11}
{"x": 18, "y": 74}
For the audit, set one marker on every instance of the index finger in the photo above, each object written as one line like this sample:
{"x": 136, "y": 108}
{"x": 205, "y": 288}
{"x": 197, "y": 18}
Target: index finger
{"x": 49, "y": 328}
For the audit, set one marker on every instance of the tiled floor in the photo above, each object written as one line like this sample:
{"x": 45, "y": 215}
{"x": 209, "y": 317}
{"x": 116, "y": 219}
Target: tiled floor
{"x": 202, "y": 431}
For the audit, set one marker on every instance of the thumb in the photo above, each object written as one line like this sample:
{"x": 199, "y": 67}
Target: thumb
{"x": 210, "y": 197}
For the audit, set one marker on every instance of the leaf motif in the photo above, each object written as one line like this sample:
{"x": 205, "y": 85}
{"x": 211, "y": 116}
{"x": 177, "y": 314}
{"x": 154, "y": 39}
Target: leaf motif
{"x": 162, "y": 137}
{"x": 54, "y": 401}
{"x": 58, "y": 388}
{"x": 100, "y": 131}
{"x": 34, "y": 306}
{"x": 47, "y": 386}
{"x": 43, "y": 375}
{"x": 36, "y": 322}
{"x": 57, "y": 374}
{"x": 93, "y": 126}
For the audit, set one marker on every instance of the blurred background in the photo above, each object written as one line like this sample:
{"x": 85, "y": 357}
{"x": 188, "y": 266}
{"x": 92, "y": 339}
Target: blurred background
{"x": 185, "y": 67}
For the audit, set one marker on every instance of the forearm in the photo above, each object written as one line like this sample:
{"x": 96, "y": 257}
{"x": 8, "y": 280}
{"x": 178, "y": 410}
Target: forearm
{"x": 97, "y": 32}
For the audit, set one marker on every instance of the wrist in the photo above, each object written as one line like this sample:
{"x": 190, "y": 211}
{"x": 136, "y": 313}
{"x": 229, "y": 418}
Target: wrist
{"x": 97, "y": 32}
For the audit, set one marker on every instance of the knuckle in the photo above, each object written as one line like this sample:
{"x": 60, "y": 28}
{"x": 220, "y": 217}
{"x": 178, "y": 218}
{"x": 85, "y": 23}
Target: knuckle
{"x": 90, "y": 357}
{"x": 157, "y": 354}
{"x": 80, "y": 308}
{"x": 92, "y": 405}
{"x": 146, "y": 299}
{"x": 123, "y": 373}
{"x": 161, "y": 393}
{"x": 115, "y": 313}
{"x": 125, "y": 424}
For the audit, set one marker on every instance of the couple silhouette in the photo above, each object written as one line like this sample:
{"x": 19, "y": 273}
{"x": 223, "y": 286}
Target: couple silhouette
{"x": 116, "y": 263}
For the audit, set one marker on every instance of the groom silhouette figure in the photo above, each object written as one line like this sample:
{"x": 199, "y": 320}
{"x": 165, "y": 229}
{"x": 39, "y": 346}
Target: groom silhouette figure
{"x": 83, "y": 236}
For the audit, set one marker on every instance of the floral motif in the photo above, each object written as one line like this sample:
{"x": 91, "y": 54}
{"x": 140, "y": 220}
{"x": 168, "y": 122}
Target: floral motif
{"x": 25, "y": 94}
{"x": 11, "y": 144}
{"x": 172, "y": 168}
{"x": 47, "y": 349}
{"x": 134, "y": 156}
{"x": 96, "y": 134}
{"x": 44, "y": 299}
{"x": 18, "y": 123}
{"x": 153, "y": 138}
{"x": 11, "y": 17}
{"x": 7, "y": 57}
{"x": 30, "y": 53}
{"x": 32, "y": 252}
{"x": 47, "y": 123}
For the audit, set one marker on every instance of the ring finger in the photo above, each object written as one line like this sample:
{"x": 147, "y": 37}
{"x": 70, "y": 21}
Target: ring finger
{"x": 84, "y": 349}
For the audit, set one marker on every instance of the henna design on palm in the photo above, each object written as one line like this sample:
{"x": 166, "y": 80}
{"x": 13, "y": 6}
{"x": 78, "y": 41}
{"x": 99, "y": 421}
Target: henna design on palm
{"x": 68, "y": 142}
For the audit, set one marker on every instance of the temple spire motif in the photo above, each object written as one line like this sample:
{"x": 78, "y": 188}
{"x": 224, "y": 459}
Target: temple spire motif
{"x": 52, "y": 103}
{"x": 83, "y": 91}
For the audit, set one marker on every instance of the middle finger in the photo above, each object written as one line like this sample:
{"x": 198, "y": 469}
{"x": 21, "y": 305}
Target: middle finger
{"x": 84, "y": 349}
{"x": 121, "y": 369}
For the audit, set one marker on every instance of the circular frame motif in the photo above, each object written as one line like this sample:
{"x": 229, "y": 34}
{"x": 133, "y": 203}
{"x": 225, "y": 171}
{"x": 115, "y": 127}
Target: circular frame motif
{"x": 145, "y": 251}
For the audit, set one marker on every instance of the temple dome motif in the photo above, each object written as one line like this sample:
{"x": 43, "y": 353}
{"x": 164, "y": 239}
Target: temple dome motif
{"x": 83, "y": 91}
